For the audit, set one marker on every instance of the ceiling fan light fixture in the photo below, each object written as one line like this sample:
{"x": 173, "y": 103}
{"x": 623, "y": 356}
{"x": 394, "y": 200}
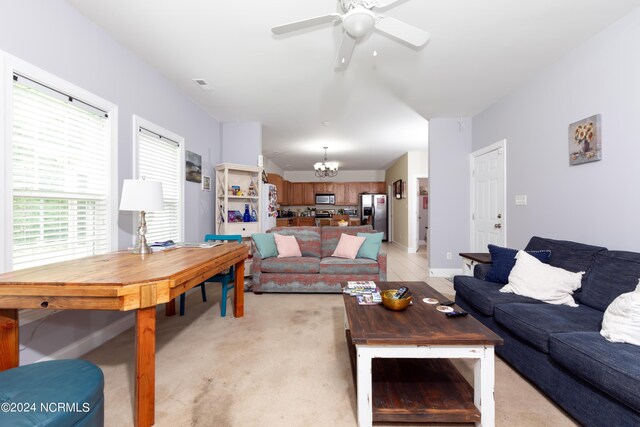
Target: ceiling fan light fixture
{"x": 326, "y": 169}
{"x": 358, "y": 21}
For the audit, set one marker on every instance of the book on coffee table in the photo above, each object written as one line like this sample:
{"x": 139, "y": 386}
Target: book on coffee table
{"x": 369, "y": 299}
{"x": 360, "y": 288}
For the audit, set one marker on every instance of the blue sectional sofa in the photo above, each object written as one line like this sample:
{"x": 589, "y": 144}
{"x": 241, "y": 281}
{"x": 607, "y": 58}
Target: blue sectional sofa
{"x": 559, "y": 348}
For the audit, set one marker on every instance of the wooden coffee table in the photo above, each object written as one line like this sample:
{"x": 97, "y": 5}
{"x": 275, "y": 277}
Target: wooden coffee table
{"x": 401, "y": 367}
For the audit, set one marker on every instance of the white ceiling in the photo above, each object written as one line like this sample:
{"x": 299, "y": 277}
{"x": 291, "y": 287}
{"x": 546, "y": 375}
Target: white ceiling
{"x": 480, "y": 50}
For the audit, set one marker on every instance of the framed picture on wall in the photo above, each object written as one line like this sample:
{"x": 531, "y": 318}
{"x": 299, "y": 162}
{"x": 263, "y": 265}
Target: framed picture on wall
{"x": 397, "y": 189}
{"x": 193, "y": 167}
{"x": 206, "y": 183}
{"x": 585, "y": 141}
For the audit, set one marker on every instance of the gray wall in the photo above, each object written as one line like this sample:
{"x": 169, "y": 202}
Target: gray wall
{"x": 241, "y": 143}
{"x": 588, "y": 202}
{"x": 449, "y": 148}
{"x": 55, "y": 37}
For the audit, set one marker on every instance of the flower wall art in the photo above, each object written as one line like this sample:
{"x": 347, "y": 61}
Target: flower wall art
{"x": 585, "y": 141}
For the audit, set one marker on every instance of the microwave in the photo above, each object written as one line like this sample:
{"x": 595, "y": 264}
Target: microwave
{"x": 325, "y": 199}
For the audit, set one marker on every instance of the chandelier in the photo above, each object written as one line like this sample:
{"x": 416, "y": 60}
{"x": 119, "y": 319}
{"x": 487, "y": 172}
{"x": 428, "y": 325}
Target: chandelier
{"x": 326, "y": 169}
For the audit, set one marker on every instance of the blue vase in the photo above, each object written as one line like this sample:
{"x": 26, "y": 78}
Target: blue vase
{"x": 247, "y": 216}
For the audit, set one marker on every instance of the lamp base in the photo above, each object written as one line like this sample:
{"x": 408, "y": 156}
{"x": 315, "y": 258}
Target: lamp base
{"x": 142, "y": 247}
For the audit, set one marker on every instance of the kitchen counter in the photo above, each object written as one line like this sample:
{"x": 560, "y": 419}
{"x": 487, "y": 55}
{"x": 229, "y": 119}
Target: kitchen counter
{"x": 296, "y": 221}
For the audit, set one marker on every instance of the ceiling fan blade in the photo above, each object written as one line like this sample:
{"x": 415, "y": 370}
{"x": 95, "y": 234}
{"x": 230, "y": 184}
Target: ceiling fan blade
{"x": 305, "y": 23}
{"x": 402, "y": 31}
{"x": 381, "y": 4}
{"x": 346, "y": 50}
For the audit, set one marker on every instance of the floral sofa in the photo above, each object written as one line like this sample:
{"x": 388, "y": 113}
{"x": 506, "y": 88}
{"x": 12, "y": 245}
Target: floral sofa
{"x": 559, "y": 348}
{"x": 316, "y": 270}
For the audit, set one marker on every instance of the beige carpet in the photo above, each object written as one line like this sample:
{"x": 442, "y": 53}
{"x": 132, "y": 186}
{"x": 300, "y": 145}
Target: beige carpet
{"x": 284, "y": 363}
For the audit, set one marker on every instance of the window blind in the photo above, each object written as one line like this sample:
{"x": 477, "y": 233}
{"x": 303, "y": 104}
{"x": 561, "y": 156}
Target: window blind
{"x": 159, "y": 160}
{"x": 60, "y": 175}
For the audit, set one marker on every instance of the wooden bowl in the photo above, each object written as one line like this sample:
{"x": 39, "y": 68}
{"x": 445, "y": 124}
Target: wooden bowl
{"x": 394, "y": 304}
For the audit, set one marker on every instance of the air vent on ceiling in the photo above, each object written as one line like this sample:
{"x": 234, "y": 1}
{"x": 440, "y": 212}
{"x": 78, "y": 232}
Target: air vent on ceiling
{"x": 202, "y": 83}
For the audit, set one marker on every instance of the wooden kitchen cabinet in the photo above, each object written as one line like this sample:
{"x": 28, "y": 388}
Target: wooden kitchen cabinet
{"x": 324, "y": 187}
{"x": 380, "y": 187}
{"x": 306, "y": 221}
{"x": 282, "y": 222}
{"x": 309, "y": 194}
{"x": 297, "y": 194}
{"x": 351, "y": 191}
{"x": 338, "y": 190}
{"x": 284, "y": 200}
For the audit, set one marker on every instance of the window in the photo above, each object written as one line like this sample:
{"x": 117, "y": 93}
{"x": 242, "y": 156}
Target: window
{"x": 60, "y": 175}
{"x": 160, "y": 157}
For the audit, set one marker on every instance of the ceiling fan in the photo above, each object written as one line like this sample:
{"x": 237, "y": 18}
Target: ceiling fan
{"x": 358, "y": 19}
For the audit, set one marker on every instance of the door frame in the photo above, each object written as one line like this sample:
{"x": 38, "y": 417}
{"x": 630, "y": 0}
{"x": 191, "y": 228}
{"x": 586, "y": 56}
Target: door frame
{"x": 500, "y": 145}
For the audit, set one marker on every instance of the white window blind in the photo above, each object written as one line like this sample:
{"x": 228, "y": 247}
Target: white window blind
{"x": 59, "y": 175}
{"x": 159, "y": 160}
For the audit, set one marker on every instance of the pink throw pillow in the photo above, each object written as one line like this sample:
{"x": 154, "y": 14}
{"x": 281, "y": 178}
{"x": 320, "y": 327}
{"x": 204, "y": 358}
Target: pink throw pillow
{"x": 287, "y": 246}
{"x": 348, "y": 246}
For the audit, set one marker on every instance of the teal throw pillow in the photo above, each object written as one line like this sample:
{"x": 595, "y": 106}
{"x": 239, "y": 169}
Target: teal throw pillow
{"x": 266, "y": 244}
{"x": 371, "y": 245}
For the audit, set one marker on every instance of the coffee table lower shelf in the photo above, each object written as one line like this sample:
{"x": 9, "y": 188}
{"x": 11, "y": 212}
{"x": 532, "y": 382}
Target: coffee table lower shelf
{"x": 418, "y": 390}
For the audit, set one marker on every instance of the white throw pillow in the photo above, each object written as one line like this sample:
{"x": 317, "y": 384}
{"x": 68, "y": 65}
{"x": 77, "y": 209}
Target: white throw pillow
{"x": 535, "y": 279}
{"x": 621, "y": 321}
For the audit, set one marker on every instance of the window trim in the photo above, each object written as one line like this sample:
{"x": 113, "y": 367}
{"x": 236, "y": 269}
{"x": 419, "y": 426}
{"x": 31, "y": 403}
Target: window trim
{"x": 9, "y": 65}
{"x": 139, "y": 122}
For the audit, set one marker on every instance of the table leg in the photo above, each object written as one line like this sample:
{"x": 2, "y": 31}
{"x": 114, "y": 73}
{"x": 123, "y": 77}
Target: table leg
{"x": 238, "y": 290}
{"x": 483, "y": 386}
{"x": 170, "y": 308}
{"x": 9, "y": 343}
{"x": 365, "y": 387}
{"x": 145, "y": 366}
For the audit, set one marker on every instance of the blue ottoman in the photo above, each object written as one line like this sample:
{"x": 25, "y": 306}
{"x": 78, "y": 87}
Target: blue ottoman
{"x": 58, "y": 393}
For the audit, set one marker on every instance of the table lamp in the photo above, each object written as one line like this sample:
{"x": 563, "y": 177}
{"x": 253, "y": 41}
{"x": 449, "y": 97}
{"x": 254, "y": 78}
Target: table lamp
{"x": 143, "y": 196}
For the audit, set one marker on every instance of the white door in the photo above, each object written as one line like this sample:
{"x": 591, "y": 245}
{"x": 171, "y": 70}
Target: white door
{"x": 488, "y": 206}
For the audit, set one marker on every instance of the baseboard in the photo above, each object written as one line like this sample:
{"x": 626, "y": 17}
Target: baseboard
{"x": 445, "y": 272}
{"x": 88, "y": 343}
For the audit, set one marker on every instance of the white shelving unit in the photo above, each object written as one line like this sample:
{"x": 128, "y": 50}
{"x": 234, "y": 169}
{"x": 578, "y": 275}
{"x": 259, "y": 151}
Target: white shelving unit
{"x": 248, "y": 179}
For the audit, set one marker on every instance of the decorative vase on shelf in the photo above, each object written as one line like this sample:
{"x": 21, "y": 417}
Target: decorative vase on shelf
{"x": 247, "y": 216}
{"x": 254, "y": 216}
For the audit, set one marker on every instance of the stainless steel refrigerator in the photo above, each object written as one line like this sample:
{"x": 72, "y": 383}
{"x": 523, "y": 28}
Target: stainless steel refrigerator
{"x": 373, "y": 210}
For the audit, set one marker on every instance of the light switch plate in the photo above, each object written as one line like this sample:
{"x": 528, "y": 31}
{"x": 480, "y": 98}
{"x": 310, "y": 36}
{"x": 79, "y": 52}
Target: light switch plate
{"x": 521, "y": 199}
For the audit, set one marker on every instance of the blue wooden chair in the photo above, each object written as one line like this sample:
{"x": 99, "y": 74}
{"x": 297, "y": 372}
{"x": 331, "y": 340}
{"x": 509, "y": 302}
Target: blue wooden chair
{"x": 225, "y": 277}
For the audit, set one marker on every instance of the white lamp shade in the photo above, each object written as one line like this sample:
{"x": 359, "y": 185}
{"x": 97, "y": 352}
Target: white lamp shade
{"x": 140, "y": 195}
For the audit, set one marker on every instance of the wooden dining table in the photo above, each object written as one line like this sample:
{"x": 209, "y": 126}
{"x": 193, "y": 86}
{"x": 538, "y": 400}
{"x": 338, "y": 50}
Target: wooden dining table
{"x": 118, "y": 281}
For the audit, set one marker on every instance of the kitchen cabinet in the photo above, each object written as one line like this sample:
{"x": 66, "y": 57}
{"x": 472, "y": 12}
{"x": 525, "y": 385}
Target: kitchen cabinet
{"x": 296, "y": 221}
{"x": 308, "y": 194}
{"x": 305, "y": 221}
{"x": 380, "y": 187}
{"x": 297, "y": 194}
{"x": 365, "y": 187}
{"x": 282, "y": 222}
{"x": 303, "y": 193}
{"x": 284, "y": 200}
{"x": 339, "y": 191}
{"x": 351, "y": 190}
{"x": 290, "y": 194}
{"x": 324, "y": 187}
